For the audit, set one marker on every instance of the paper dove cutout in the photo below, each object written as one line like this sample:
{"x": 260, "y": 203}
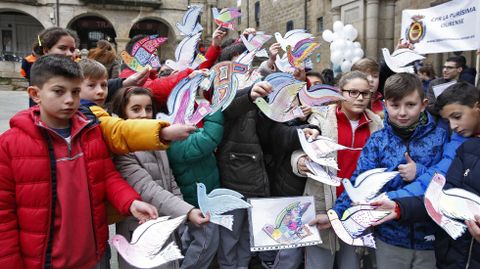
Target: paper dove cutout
{"x": 225, "y": 17}
{"x": 289, "y": 227}
{"x": 181, "y": 102}
{"x": 368, "y": 184}
{"x": 189, "y": 24}
{"x": 319, "y": 149}
{"x": 319, "y": 94}
{"x": 319, "y": 174}
{"x": 218, "y": 202}
{"x": 446, "y": 207}
{"x": 145, "y": 248}
{"x": 185, "y": 54}
{"x": 398, "y": 61}
{"x": 283, "y": 64}
{"x": 355, "y": 220}
{"x": 255, "y": 42}
{"x": 144, "y": 53}
{"x": 302, "y": 50}
{"x": 291, "y": 38}
{"x": 225, "y": 83}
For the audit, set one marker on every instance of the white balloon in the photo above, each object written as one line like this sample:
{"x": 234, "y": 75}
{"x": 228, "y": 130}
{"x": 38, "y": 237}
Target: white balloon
{"x": 346, "y": 66}
{"x": 337, "y": 26}
{"x": 336, "y": 57}
{"x": 348, "y": 54}
{"x": 354, "y": 34}
{"x": 355, "y": 59}
{"x": 358, "y": 52}
{"x": 327, "y": 35}
{"x": 348, "y": 31}
{"x": 338, "y": 44}
{"x": 357, "y": 44}
{"x": 336, "y": 36}
{"x": 349, "y": 45}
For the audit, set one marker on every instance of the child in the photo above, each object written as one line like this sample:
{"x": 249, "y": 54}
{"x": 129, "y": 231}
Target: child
{"x": 350, "y": 124}
{"x": 409, "y": 142}
{"x": 56, "y": 174}
{"x": 459, "y": 104}
{"x": 371, "y": 68}
{"x": 148, "y": 171}
{"x": 123, "y": 136}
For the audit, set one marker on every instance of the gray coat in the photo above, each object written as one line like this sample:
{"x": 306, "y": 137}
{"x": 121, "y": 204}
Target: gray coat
{"x": 149, "y": 173}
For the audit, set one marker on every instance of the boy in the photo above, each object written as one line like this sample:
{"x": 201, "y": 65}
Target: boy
{"x": 459, "y": 104}
{"x": 54, "y": 173}
{"x": 123, "y": 136}
{"x": 409, "y": 142}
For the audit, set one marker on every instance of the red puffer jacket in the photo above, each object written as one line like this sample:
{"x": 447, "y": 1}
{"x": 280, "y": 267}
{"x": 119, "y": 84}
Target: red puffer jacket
{"x": 27, "y": 181}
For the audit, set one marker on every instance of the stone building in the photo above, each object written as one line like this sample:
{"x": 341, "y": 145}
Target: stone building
{"x": 115, "y": 20}
{"x": 378, "y": 22}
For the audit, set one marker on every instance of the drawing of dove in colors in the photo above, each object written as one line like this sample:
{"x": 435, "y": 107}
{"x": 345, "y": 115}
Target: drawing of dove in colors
{"x": 302, "y": 50}
{"x": 225, "y": 17}
{"x": 189, "y": 24}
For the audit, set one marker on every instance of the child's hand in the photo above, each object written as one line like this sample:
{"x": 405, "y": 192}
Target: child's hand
{"x": 218, "y": 36}
{"x": 404, "y": 45}
{"x": 310, "y": 133}
{"x": 196, "y": 217}
{"x": 273, "y": 52}
{"x": 474, "y": 227}
{"x": 143, "y": 211}
{"x": 307, "y": 110}
{"x": 408, "y": 171}
{"x": 176, "y": 132}
{"x": 137, "y": 79}
{"x": 385, "y": 205}
{"x": 300, "y": 74}
{"x": 321, "y": 221}
{"x": 200, "y": 71}
{"x": 301, "y": 165}
{"x": 260, "y": 89}
{"x": 249, "y": 31}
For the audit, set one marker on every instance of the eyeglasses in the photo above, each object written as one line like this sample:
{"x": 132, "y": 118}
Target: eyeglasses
{"x": 356, "y": 93}
{"x": 448, "y": 67}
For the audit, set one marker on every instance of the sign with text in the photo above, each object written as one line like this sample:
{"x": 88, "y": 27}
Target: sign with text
{"x": 448, "y": 27}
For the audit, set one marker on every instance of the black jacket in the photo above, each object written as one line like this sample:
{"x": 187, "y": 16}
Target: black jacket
{"x": 240, "y": 156}
{"x": 463, "y": 173}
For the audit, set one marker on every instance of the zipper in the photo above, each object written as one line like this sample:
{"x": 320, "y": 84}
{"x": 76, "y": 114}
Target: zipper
{"x": 470, "y": 253}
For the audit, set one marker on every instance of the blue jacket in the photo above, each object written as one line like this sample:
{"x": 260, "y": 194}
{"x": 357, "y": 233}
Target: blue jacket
{"x": 385, "y": 149}
{"x": 420, "y": 184}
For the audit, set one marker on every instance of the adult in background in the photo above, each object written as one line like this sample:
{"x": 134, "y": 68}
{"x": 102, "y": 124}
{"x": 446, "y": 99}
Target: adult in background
{"x": 106, "y": 55}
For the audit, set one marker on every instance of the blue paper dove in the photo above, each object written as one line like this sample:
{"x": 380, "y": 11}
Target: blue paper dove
{"x": 218, "y": 202}
{"x": 189, "y": 24}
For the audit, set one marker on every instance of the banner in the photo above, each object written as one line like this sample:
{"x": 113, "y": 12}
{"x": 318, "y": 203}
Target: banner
{"x": 452, "y": 26}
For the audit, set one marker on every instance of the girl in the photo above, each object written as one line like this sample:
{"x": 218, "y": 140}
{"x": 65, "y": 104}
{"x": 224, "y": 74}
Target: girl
{"x": 148, "y": 172}
{"x": 350, "y": 123}
{"x": 106, "y": 55}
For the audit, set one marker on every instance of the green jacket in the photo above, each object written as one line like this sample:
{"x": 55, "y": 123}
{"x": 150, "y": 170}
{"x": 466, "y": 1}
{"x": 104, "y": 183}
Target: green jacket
{"x": 193, "y": 159}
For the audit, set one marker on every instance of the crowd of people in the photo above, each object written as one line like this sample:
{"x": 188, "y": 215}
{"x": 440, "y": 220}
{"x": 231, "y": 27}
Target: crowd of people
{"x": 91, "y": 137}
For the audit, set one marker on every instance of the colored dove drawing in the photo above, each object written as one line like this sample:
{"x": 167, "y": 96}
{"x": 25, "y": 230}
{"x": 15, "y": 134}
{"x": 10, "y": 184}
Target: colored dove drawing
{"x": 291, "y": 38}
{"x": 355, "y": 220}
{"x": 256, "y": 41}
{"x": 368, "y": 184}
{"x": 145, "y": 248}
{"x": 319, "y": 94}
{"x": 302, "y": 50}
{"x": 185, "y": 56}
{"x": 218, "y": 202}
{"x": 446, "y": 207}
{"x": 144, "y": 53}
{"x": 399, "y": 59}
{"x": 289, "y": 226}
{"x": 225, "y": 83}
{"x": 189, "y": 24}
{"x": 320, "y": 174}
{"x": 225, "y": 17}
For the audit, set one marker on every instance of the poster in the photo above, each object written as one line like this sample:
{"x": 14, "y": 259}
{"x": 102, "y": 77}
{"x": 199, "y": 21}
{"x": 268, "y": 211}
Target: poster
{"x": 282, "y": 222}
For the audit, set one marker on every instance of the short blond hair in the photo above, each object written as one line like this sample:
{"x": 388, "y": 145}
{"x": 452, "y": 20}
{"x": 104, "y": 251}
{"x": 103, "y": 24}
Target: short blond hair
{"x": 93, "y": 69}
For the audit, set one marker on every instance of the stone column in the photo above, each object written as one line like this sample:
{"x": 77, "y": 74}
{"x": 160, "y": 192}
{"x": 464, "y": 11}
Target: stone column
{"x": 390, "y": 25}
{"x": 371, "y": 29}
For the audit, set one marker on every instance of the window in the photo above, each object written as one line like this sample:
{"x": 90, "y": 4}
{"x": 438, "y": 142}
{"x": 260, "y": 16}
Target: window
{"x": 289, "y": 25}
{"x": 257, "y": 14}
{"x": 320, "y": 24}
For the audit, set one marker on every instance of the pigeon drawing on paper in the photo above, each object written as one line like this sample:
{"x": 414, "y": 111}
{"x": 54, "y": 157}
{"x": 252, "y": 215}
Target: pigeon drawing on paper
{"x": 144, "y": 53}
{"x": 190, "y": 24}
{"x": 224, "y": 18}
{"x": 225, "y": 83}
{"x": 302, "y": 50}
{"x": 355, "y": 220}
{"x": 146, "y": 248}
{"x": 450, "y": 208}
{"x": 320, "y": 174}
{"x": 368, "y": 184}
{"x": 289, "y": 227}
{"x": 291, "y": 38}
{"x": 319, "y": 95}
{"x": 185, "y": 56}
{"x": 398, "y": 61}
{"x": 256, "y": 41}
{"x": 218, "y": 202}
